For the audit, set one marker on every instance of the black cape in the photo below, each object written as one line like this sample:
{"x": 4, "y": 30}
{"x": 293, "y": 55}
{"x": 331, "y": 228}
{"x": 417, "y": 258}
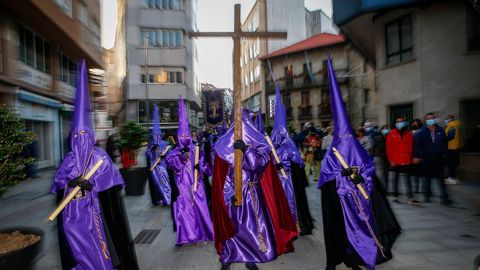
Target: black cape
{"x": 300, "y": 182}
{"x": 336, "y": 241}
{"x": 117, "y": 232}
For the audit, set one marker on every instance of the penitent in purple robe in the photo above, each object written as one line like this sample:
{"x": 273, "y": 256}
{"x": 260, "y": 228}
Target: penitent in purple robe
{"x": 251, "y": 220}
{"x": 157, "y": 150}
{"x": 192, "y": 218}
{"x": 286, "y": 150}
{"x": 82, "y": 217}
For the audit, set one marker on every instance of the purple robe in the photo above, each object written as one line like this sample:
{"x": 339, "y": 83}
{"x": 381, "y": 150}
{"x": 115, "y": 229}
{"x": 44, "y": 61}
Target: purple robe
{"x": 159, "y": 175}
{"x": 251, "y": 219}
{"x": 82, "y": 222}
{"x": 192, "y": 218}
{"x": 359, "y": 224}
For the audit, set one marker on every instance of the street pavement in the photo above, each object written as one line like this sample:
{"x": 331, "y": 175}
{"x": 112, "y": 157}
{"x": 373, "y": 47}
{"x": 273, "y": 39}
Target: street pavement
{"x": 434, "y": 237}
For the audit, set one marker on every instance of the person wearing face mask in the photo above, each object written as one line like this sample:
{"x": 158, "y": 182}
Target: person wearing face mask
{"x": 432, "y": 147}
{"x": 452, "y": 130}
{"x": 380, "y": 152}
{"x": 399, "y": 153}
{"x": 415, "y": 169}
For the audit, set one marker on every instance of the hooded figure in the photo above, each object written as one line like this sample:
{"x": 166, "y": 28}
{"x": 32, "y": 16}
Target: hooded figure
{"x": 190, "y": 209}
{"x": 291, "y": 162}
{"x": 262, "y": 228}
{"x": 158, "y": 176}
{"x": 94, "y": 232}
{"x": 357, "y": 231}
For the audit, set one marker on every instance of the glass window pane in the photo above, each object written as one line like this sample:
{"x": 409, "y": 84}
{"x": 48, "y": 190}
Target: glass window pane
{"x": 64, "y": 68}
{"x": 172, "y": 38}
{"x": 29, "y": 47}
{"x": 159, "y": 38}
{"x": 406, "y": 28}
{"x": 152, "y": 37}
{"x": 171, "y": 77}
{"x": 171, "y": 4}
{"x": 165, "y": 4}
{"x": 176, "y": 4}
{"x": 179, "y": 77}
{"x": 166, "y": 38}
{"x": 142, "y": 117}
{"x": 72, "y": 70}
{"x": 21, "y": 41}
{"x": 47, "y": 57}
{"x": 39, "y": 54}
{"x": 178, "y": 38}
{"x": 151, "y": 78}
{"x": 393, "y": 39}
{"x": 158, "y": 3}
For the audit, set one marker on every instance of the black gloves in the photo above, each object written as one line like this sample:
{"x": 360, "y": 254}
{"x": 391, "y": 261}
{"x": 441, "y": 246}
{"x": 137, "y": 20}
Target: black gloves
{"x": 279, "y": 166}
{"x": 347, "y": 172}
{"x": 358, "y": 179}
{"x": 197, "y": 167}
{"x": 239, "y": 144}
{"x": 82, "y": 183}
{"x": 184, "y": 150}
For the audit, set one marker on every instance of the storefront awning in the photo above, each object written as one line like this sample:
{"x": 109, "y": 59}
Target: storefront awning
{"x": 31, "y": 97}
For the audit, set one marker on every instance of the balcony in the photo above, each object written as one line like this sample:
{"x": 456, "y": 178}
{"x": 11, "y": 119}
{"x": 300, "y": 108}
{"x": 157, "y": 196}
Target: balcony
{"x": 305, "y": 111}
{"x": 324, "y": 111}
{"x": 298, "y": 81}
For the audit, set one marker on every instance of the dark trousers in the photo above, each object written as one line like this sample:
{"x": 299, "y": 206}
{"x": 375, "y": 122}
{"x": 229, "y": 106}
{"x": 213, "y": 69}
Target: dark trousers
{"x": 433, "y": 168}
{"x": 385, "y": 170}
{"x": 453, "y": 158}
{"x": 405, "y": 169}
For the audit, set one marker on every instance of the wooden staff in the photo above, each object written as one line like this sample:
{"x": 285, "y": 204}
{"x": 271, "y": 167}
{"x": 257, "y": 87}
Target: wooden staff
{"x": 195, "y": 173}
{"x": 72, "y": 194}
{"x": 345, "y": 166}
{"x": 274, "y": 152}
{"x": 159, "y": 158}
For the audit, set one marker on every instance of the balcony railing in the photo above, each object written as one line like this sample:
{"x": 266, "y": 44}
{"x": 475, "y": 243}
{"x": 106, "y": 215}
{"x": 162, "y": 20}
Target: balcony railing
{"x": 298, "y": 82}
{"x": 304, "y": 111}
{"x": 324, "y": 110}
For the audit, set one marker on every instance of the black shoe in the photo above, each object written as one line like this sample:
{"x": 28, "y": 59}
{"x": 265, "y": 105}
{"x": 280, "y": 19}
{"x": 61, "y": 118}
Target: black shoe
{"x": 251, "y": 266}
{"x": 446, "y": 202}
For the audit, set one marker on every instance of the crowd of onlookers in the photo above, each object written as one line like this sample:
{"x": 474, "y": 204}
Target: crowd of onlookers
{"x": 419, "y": 150}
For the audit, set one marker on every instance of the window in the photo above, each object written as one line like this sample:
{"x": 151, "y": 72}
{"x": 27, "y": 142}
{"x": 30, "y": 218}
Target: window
{"x": 366, "y": 96}
{"x": 473, "y": 29}
{"x": 289, "y": 76}
{"x": 305, "y": 98}
{"x": 251, "y": 76}
{"x": 398, "y": 35}
{"x": 162, "y": 38}
{"x": 82, "y": 13}
{"x": 307, "y": 72}
{"x": 163, "y": 75}
{"x": 163, "y": 4}
{"x": 95, "y": 30}
{"x": 257, "y": 73}
{"x": 68, "y": 69}
{"x": 33, "y": 50}
{"x": 65, "y": 6}
{"x": 287, "y": 100}
{"x": 405, "y": 111}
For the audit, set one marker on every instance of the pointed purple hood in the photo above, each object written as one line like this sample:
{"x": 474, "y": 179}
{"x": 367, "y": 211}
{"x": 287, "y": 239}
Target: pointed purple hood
{"x": 344, "y": 139}
{"x": 280, "y": 137}
{"x": 259, "y": 124}
{"x": 183, "y": 133}
{"x": 156, "y": 135}
{"x": 82, "y": 137}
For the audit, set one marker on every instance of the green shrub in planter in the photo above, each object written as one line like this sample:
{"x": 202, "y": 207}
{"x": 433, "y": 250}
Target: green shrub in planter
{"x": 132, "y": 135}
{"x": 13, "y": 139}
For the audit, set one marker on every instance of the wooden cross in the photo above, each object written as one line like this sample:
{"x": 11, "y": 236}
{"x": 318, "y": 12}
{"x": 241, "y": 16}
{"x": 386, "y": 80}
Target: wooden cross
{"x": 237, "y": 34}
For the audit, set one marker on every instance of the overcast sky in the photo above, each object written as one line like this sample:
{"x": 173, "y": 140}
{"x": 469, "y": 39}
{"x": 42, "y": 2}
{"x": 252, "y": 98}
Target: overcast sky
{"x": 215, "y": 54}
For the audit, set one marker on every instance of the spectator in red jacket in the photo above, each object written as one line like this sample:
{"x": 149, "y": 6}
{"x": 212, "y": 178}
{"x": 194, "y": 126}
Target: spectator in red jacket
{"x": 399, "y": 153}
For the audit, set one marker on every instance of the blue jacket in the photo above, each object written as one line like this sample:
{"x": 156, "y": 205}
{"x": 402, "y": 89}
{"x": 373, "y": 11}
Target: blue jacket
{"x": 426, "y": 148}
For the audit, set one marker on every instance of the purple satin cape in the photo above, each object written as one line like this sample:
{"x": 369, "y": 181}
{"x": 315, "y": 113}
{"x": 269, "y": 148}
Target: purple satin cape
{"x": 82, "y": 220}
{"x": 192, "y": 218}
{"x": 244, "y": 246}
{"x": 159, "y": 175}
{"x": 351, "y": 199}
